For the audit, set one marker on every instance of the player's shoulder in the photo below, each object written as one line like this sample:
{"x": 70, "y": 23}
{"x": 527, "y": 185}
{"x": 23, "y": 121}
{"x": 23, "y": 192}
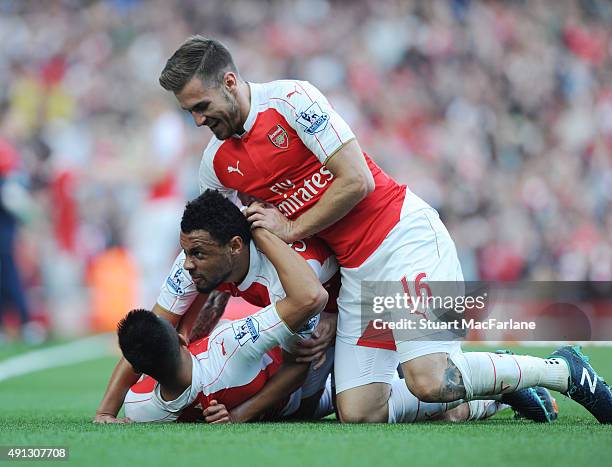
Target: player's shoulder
{"x": 285, "y": 89}
{"x": 208, "y": 157}
{"x": 211, "y": 148}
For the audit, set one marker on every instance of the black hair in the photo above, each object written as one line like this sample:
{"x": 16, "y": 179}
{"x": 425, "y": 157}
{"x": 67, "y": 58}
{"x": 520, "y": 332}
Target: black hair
{"x": 208, "y": 59}
{"x": 217, "y": 215}
{"x": 150, "y": 344}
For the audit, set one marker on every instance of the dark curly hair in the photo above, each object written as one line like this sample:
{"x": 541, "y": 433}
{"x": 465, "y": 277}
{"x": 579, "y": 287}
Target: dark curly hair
{"x": 217, "y": 215}
{"x": 150, "y": 344}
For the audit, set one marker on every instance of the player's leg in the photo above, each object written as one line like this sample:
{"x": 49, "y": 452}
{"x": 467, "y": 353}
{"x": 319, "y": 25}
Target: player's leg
{"x": 436, "y": 374}
{"x": 534, "y": 404}
{"x": 404, "y": 407}
{"x": 313, "y": 398}
{"x": 447, "y": 375}
{"x": 325, "y": 405}
{"x": 364, "y": 404}
{"x": 363, "y": 378}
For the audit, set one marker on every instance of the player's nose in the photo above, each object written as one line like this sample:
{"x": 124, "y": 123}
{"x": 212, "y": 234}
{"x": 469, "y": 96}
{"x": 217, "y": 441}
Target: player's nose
{"x": 188, "y": 265}
{"x": 198, "y": 118}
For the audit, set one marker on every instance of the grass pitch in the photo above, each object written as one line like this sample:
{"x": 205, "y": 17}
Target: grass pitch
{"x": 54, "y": 407}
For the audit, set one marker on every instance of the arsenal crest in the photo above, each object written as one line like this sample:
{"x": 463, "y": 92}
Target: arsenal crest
{"x": 279, "y": 137}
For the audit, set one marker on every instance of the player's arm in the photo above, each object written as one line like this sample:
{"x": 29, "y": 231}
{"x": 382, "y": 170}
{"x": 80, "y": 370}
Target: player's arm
{"x": 176, "y": 298}
{"x": 202, "y": 321}
{"x": 289, "y": 377}
{"x": 353, "y": 181}
{"x": 305, "y": 296}
{"x": 325, "y": 133}
{"x": 122, "y": 378}
{"x": 193, "y": 314}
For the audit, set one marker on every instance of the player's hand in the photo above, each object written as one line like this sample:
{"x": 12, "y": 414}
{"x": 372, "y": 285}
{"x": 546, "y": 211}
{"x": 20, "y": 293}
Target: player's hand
{"x": 104, "y": 418}
{"x": 266, "y": 216}
{"x": 315, "y": 348}
{"x": 216, "y": 413}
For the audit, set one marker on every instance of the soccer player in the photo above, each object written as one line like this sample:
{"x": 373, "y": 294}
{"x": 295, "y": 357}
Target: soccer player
{"x": 245, "y": 392}
{"x": 284, "y": 143}
{"x": 234, "y": 354}
{"x": 218, "y": 254}
{"x": 251, "y": 275}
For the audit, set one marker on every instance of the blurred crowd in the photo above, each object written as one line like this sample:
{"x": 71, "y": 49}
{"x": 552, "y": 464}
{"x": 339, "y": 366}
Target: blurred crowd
{"x": 497, "y": 113}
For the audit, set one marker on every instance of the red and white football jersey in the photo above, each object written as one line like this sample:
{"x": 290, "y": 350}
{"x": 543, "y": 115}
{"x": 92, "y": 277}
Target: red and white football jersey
{"x": 261, "y": 286}
{"x": 290, "y": 133}
{"x": 230, "y": 366}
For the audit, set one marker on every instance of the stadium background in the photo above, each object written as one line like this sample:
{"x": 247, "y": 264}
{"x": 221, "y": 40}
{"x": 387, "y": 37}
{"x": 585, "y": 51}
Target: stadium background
{"x": 498, "y": 113}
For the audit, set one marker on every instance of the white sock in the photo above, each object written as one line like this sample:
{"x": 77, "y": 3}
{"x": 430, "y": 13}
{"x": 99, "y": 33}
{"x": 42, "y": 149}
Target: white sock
{"x": 485, "y": 374}
{"x": 481, "y": 409}
{"x": 404, "y": 407}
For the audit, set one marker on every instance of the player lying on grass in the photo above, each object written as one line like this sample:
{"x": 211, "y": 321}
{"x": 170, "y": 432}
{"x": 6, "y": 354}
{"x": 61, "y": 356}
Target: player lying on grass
{"x": 216, "y": 412}
{"x": 230, "y": 262}
{"x": 232, "y": 382}
{"x": 312, "y": 401}
{"x": 153, "y": 347}
{"x": 217, "y": 248}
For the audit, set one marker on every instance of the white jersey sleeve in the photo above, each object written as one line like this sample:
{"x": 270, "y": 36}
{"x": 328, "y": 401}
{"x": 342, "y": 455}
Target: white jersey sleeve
{"x": 326, "y": 270}
{"x": 310, "y": 114}
{"x": 146, "y": 408}
{"x": 178, "y": 290}
{"x": 208, "y": 179}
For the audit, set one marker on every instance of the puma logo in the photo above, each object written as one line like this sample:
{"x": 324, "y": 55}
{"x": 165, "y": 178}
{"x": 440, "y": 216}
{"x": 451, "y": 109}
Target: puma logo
{"x": 295, "y": 91}
{"x": 231, "y": 169}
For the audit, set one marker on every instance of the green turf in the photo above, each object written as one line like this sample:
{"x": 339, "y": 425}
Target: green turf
{"x": 54, "y": 407}
{"x": 16, "y": 348}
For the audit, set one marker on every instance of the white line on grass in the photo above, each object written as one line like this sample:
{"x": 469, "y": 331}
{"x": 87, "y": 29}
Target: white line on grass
{"x": 82, "y": 350}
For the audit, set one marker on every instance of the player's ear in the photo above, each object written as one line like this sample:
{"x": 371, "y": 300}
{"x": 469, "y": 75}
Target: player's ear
{"x": 236, "y": 245}
{"x": 230, "y": 81}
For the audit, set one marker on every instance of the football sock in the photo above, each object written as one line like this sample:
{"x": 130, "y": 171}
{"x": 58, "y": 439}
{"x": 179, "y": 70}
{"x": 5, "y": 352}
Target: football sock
{"x": 404, "y": 407}
{"x": 485, "y": 374}
{"x": 481, "y": 409}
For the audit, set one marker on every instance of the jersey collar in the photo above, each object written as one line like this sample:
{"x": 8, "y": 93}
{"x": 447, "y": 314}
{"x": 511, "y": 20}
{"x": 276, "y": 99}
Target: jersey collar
{"x": 256, "y": 98}
{"x": 254, "y": 267}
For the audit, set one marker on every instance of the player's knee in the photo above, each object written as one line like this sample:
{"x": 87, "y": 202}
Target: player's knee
{"x": 433, "y": 378}
{"x": 351, "y": 414}
{"x": 425, "y": 387}
{"x": 365, "y": 404}
{"x": 461, "y": 413}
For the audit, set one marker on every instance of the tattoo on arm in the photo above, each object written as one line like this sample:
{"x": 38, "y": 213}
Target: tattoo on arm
{"x": 452, "y": 386}
{"x": 209, "y": 315}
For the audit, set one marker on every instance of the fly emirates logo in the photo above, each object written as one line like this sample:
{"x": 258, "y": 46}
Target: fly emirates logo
{"x": 295, "y": 199}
